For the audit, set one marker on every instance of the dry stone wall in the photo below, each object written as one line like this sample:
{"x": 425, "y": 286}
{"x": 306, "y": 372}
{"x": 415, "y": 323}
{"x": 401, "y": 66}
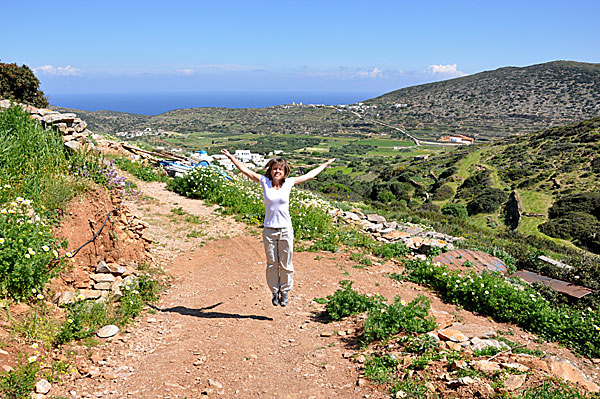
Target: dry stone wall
{"x": 74, "y": 130}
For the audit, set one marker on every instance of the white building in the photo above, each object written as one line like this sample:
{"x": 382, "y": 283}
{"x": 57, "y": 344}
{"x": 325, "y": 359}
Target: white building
{"x": 243, "y": 155}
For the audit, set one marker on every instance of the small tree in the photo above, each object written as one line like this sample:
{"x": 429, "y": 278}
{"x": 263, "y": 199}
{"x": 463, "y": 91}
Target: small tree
{"x": 20, "y": 84}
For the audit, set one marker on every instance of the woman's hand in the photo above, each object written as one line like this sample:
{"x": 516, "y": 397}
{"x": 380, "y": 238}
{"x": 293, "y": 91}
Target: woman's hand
{"x": 226, "y": 153}
{"x": 329, "y": 162}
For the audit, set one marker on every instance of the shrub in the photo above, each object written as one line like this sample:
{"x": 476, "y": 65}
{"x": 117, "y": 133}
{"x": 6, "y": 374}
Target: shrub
{"x": 397, "y": 317}
{"x": 390, "y": 250}
{"x": 142, "y": 171}
{"x": 554, "y": 389}
{"x": 582, "y": 228}
{"x": 444, "y": 192}
{"x": 487, "y": 202}
{"x": 492, "y": 295}
{"x": 19, "y": 383}
{"x": 456, "y": 210}
{"x": 26, "y": 248}
{"x": 429, "y": 207}
{"x": 347, "y": 302}
{"x": 20, "y": 84}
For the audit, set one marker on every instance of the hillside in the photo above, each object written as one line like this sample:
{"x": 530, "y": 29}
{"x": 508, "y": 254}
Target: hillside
{"x": 541, "y": 169}
{"x": 498, "y": 103}
{"x": 488, "y": 104}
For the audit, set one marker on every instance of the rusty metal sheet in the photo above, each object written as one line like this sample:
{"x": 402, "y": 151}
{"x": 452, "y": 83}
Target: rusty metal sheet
{"x": 576, "y": 291}
{"x": 481, "y": 261}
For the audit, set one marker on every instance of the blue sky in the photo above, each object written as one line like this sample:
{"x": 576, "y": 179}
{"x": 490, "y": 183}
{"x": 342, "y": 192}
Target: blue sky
{"x": 339, "y": 46}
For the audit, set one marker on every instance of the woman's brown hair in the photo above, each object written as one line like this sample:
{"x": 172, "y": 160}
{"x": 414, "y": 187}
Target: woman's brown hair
{"x": 278, "y": 162}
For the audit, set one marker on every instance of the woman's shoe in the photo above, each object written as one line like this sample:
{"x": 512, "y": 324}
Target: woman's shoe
{"x": 283, "y": 301}
{"x": 275, "y": 299}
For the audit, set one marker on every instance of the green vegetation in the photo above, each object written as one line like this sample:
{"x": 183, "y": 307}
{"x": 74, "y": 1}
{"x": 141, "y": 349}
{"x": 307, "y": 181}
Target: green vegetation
{"x": 141, "y": 170}
{"x": 507, "y": 301}
{"x": 347, "y": 302}
{"x": 19, "y": 383}
{"x": 18, "y": 83}
{"x": 39, "y": 177}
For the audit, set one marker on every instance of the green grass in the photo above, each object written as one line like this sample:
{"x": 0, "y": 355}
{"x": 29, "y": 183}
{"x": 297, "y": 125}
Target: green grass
{"x": 465, "y": 166}
{"x": 387, "y": 142}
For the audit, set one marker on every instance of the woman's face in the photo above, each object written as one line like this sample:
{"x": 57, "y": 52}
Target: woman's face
{"x": 277, "y": 172}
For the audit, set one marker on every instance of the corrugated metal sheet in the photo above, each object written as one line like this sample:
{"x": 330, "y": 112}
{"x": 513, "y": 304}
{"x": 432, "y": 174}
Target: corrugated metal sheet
{"x": 481, "y": 261}
{"x": 576, "y": 291}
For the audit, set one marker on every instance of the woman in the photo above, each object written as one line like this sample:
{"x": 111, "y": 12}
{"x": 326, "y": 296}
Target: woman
{"x": 278, "y": 233}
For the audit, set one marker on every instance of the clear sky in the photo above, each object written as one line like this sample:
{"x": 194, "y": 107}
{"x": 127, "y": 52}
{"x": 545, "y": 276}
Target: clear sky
{"x": 340, "y": 46}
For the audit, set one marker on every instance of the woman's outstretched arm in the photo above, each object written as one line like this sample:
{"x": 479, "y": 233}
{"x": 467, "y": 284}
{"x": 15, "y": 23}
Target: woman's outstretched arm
{"x": 313, "y": 173}
{"x": 255, "y": 177}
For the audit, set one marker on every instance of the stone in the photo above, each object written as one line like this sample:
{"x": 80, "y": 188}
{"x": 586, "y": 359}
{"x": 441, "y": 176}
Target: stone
{"x": 80, "y": 126}
{"x": 485, "y": 366}
{"x": 7, "y": 369}
{"x": 443, "y": 319}
{"x": 515, "y": 381}
{"x": 102, "y": 267}
{"x": 479, "y": 344}
{"x": 454, "y": 346}
{"x": 64, "y": 298}
{"x": 452, "y": 335}
{"x": 108, "y": 331}
{"x": 374, "y": 218}
{"x": 74, "y": 145}
{"x": 475, "y": 330}
{"x": 567, "y": 371}
{"x": 54, "y": 118}
{"x": 390, "y": 225}
{"x": 351, "y": 216}
{"x": 90, "y": 294}
{"x": 102, "y": 277}
{"x": 215, "y": 384}
{"x": 3, "y": 352}
{"x": 395, "y": 235}
{"x": 42, "y": 386}
{"x": 375, "y": 227}
{"x": 104, "y": 286}
{"x": 461, "y": 381}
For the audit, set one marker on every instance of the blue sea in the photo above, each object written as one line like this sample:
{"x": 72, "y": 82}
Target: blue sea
{"x": 157, "y": 103}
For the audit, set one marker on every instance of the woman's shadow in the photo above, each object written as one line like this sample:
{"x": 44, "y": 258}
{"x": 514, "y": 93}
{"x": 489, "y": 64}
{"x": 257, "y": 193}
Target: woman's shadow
{"x": 203, "y": 313}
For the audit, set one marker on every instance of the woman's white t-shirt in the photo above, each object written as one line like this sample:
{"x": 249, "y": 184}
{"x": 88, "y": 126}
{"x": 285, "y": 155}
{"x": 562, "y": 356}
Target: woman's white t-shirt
{"x": 277, "y": 202}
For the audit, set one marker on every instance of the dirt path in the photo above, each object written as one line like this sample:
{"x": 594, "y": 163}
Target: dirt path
{"x": 215, "y": 332}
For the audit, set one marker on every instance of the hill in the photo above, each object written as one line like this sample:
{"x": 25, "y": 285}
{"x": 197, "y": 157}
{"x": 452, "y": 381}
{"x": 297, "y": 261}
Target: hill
{"x": 553, "y": 166}
{"x": 488, "y": 104}
{"x": 498, "y": 103}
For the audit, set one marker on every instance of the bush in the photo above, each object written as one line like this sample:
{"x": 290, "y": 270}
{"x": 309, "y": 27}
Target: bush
{"x": 347, "y": 302}
{"x": 456, "y": 210}
{"x": 429, "y": 207}
{"x": 20, "y": 84}
{"x": 26, "y": 248}
{"x": 390, "y": 250}
{"x": 487, "y": 202}
{"x": 142, "y": 171}
{"x": 397, "y": 317}
{"x": 492, "y": 295}
{"x": 579, "y": 227}
{"x": 19, "y": 383}
{"x": 443, "y": 193}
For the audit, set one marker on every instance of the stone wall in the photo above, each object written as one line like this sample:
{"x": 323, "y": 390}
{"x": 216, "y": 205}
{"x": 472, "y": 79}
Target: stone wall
{"x": 73, "y": 130}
